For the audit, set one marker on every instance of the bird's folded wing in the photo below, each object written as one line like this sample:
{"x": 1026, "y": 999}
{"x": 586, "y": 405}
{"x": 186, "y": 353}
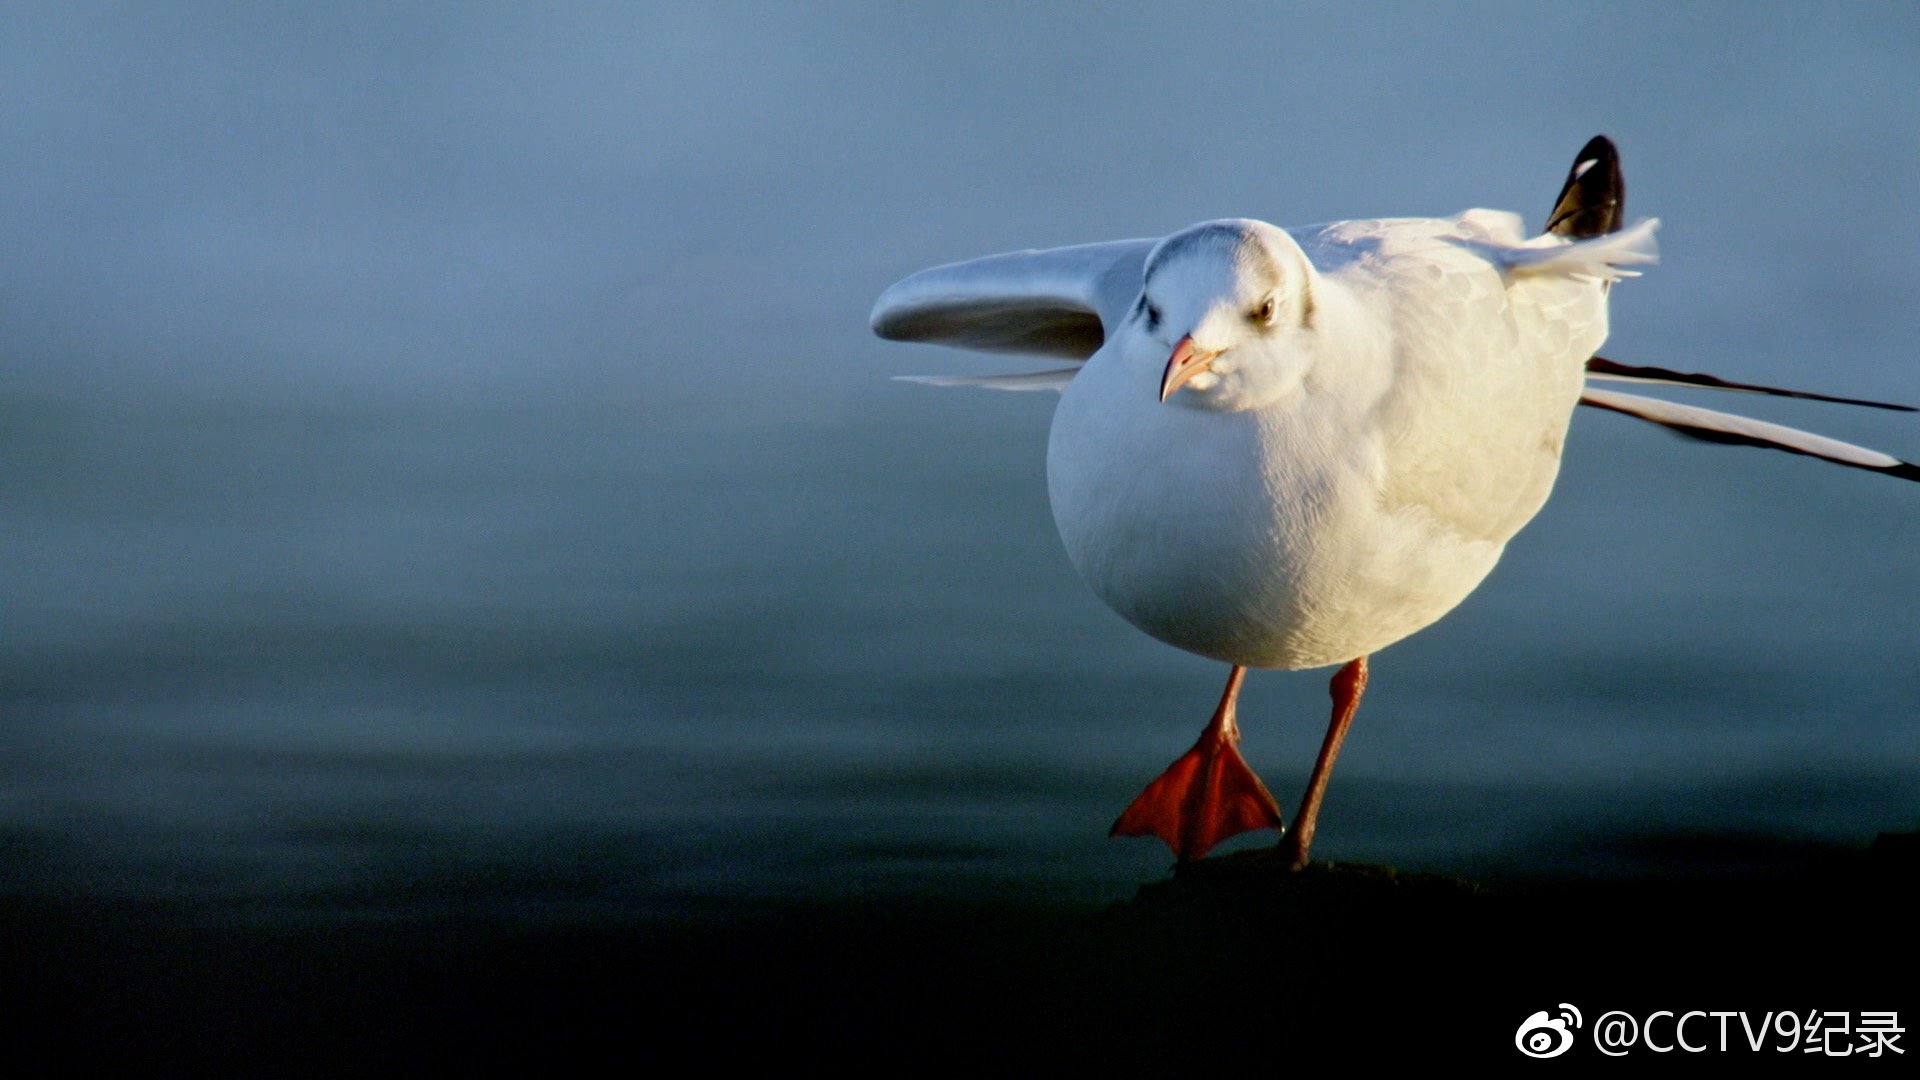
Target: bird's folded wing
{"x": 1061, "y": 302}
{"x": 1722, "y": 427}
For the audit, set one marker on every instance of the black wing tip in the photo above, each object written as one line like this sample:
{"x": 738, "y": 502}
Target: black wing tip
{"x": 1599, "y": 148}
{"x": 1593, "y": 202}
{"x": 1906, "y": 470}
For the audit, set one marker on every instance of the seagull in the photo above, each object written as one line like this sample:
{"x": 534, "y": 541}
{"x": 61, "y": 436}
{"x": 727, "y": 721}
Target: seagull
{"x": 1291, "y": 448}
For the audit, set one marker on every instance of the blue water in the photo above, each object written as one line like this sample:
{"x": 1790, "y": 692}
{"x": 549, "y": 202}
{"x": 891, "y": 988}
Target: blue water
{"x": 443, "y": 465}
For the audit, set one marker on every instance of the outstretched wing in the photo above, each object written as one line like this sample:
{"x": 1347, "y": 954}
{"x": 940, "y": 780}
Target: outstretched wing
{"x": 1600, "y": 367}
{"x": 1722, "y": 427}
{"x": 1061, "y": 302}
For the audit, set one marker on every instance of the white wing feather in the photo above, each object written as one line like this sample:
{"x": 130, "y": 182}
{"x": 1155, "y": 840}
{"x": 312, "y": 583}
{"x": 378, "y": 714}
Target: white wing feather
{"x": 1601, "y": 257}
{"x": 1060, "y": 302}
{"x": 1722, "y": 427}
{"x": 1050, "y": 379}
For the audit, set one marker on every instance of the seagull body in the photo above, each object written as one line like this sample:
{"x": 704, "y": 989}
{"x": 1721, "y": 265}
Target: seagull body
{"x": 1293, "y": 448}
{"x": 1341, "y": 476}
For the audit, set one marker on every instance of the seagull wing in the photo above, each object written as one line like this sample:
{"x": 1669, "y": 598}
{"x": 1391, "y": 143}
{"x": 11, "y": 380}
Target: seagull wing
{"x": 1602, "y": 368}
{"x": 1593, "y": 202}
{"x": 1719, "y": 427}
{"x": 1602, "y": 257}
{"x": 1062, "y": 302}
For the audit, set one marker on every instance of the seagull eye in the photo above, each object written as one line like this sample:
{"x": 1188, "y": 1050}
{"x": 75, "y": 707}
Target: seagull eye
{"x": 1264, "y": 313}
{"x": 1153, "y": 317}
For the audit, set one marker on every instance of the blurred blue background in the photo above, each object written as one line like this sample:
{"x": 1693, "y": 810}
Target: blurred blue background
{"x": 444, "y": 464}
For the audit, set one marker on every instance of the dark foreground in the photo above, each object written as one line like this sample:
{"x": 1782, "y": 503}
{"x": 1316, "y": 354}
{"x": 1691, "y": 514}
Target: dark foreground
{"x": 1228, "y": 962}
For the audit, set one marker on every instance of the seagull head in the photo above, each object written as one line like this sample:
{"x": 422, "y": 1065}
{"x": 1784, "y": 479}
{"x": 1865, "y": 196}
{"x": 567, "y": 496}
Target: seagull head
{"x": 1230, "y": 306}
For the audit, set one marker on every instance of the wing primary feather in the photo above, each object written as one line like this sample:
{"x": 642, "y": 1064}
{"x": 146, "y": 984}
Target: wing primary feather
{"x": 1593, "y": 201}
{"x": 1602, "y": 368}
{"x": 1719, "y": 427}
{"x": 1050, "y": 379}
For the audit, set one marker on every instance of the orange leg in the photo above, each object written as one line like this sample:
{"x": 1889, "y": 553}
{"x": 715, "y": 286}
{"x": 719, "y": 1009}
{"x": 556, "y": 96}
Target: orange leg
{"x": 1347, "y": 686}
{"x": 1206, "y": 796}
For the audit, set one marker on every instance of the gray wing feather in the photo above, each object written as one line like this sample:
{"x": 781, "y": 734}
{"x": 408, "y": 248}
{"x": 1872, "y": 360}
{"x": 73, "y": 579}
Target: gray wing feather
{"x": 1060, "y": 302}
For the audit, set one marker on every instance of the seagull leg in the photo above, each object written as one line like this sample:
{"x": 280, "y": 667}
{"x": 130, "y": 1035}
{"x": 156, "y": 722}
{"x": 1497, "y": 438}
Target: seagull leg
{"x": 1347, "y": 686}
{"x": 1206, "y": 796}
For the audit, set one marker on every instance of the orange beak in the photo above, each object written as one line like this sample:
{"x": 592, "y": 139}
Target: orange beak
{"x": 1184, "y": 364}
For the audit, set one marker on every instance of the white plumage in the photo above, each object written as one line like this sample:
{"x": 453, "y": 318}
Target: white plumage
{"x": 1356, "y": 473}
{"x": 1293, "y": 448}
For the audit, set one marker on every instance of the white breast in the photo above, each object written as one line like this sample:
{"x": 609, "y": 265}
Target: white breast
{"x": 1354, "y": 513}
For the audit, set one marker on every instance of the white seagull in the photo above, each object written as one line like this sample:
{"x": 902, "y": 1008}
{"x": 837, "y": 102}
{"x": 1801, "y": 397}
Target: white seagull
{"x": 1291, "y": 448}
